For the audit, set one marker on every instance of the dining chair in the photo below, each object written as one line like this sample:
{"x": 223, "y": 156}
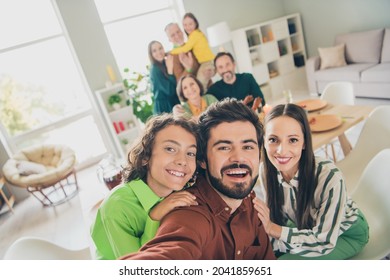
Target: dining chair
{"x": 338, "y": 93}
{"x": 374, "y": 137}
{"x": 34, "y": 248}
{"x": 372, "y": 196}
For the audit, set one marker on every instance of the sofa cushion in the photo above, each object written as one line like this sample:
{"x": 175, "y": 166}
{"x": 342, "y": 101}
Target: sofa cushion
{"x": 379, "y": 73}
{"x": 362, "y": 47}
{"x": 349, "y": 73}
{"x": 386, "y": 46}
{"x": 332, "y": 57}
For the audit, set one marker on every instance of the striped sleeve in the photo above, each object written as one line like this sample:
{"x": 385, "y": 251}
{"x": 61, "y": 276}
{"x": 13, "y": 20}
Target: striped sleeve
{"x": 328, "y": 213}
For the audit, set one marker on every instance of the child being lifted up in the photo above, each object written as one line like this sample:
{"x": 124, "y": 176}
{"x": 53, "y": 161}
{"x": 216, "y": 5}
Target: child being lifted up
{"x": 198, "y": 44}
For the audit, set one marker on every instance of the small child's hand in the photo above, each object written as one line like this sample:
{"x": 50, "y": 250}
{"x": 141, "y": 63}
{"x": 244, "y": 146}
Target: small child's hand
{"x": 176, "y": 199}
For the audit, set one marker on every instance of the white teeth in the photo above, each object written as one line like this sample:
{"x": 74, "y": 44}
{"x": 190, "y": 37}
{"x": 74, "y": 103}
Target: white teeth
{"x": 237, "y": 172}
{"x": 176, "y": 173}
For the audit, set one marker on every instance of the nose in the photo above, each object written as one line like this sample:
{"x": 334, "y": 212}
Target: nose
{"x": 237, "y": 155}
{"x": 181, "y": 159}
{"x": 281, "y": 148}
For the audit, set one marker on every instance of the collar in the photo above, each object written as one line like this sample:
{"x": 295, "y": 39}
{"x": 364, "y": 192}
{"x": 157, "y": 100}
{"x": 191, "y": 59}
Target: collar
{"x": 293, "y": 182}
{"x": 196, "y": 110}
{"x": 217, "y": 206}
{"x": 144, "y": 193}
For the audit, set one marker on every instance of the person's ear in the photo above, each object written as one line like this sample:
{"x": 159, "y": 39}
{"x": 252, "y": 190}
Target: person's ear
{"x": 145, "y": 162}
{"x": 203, "y": 164}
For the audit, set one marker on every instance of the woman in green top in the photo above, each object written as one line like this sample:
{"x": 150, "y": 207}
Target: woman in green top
{"x": 160, "y": 163}
{"x": 162, "y": 79}
{"x": 194, "y": 101}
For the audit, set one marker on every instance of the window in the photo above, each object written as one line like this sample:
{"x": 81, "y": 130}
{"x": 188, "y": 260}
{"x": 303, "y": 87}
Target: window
{"x": 42, "y": 96}
{"x": 130, "y": 28}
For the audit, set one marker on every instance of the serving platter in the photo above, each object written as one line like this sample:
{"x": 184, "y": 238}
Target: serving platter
{"x": 311, "y": 105}
{"x": 320, "y": 123}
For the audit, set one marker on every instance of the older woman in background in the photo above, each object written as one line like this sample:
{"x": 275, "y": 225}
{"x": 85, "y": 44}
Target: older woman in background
{"x": 194, "y": 101}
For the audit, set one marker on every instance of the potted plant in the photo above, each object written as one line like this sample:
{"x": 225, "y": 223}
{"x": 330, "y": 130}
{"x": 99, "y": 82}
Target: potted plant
{"x": 140, "y": 96}
{"x": 115, "y": 101}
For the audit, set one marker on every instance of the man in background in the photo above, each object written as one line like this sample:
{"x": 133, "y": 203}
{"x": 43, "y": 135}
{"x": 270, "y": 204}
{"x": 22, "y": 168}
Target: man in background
{"x": 241, "y": 86}
{"x": 183, "y": 63}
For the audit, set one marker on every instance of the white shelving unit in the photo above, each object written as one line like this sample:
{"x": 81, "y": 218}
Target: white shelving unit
{"x": 274, "y": 52}
{"x": 122, "y": 124}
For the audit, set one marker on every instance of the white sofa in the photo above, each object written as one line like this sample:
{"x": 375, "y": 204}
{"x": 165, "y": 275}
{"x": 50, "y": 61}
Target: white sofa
{"x": 367, "y": 57}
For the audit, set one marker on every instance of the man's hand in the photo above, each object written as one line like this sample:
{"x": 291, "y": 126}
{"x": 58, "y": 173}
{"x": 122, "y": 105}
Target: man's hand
{"x": 186, "y": 60}
{"x": 256, "y": 103}
{"x": 248, "y": 99}
{"x": 176, "y": 199}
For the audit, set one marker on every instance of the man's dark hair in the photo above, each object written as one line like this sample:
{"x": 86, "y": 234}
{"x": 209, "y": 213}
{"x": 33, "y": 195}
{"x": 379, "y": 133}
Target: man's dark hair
{"x": 228, "y": 110}
{"x": 222, "y": 54}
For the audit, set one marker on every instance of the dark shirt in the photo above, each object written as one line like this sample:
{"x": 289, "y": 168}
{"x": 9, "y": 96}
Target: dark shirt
{"x": 164, "y": 90}
{"x": 208, "y": 231}
{"x": 244, "y": 85}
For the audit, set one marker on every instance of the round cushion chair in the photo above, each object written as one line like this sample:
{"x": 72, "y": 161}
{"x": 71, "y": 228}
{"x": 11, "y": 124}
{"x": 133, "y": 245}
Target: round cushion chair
{"x": 46, "y": 171}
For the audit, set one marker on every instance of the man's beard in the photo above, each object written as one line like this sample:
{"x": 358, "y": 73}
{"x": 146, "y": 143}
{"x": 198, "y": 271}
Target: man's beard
{"x": 227, "y": 76}
{"x": 238, "y": 191}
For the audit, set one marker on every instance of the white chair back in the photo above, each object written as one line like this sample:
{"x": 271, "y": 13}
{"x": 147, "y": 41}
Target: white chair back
{"x": 339, "y": 93}
{"x": 372, "y": 196}
{"x": 33, "y": 248}
{"x": 374, "y": 137}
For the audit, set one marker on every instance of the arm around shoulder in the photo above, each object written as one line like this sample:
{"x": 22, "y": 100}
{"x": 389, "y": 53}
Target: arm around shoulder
{"x": 182, "y": 236}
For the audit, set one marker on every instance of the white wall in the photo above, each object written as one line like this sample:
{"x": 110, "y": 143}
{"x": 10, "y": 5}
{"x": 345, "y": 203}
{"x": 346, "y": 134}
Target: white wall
{"x": 321, "y": 19}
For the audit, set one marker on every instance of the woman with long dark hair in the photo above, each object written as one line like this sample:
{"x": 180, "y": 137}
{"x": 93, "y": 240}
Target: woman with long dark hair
{"x": 307, "y": 212}
{"x": 162, "y": 79}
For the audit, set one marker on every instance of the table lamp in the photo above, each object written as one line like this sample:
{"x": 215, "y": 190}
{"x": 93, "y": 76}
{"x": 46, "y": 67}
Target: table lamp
{"x": 219, "y": 34}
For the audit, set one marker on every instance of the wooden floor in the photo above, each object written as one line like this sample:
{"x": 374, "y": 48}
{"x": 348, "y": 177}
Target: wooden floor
{"x": 68, "y": 224}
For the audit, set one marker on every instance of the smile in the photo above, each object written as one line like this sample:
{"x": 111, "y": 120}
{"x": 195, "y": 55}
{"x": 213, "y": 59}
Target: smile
{"x": 238, "y": 173}
{"x": 176, "y": 173}
{"x": 283, "y": 160}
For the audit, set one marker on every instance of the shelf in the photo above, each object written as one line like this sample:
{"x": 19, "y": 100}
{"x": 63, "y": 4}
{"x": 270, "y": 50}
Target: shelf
{"x": 272, "y": 51}
{"x": 121, "y": 123}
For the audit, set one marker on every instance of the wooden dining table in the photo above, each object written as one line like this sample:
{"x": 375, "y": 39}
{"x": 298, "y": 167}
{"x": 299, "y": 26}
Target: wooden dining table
{"x": 350, "y": 115}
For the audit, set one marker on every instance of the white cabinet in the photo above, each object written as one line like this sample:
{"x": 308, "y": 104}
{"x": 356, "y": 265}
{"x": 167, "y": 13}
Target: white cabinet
{"x": 274, "y": 52}
{"x": 121, "y": 123}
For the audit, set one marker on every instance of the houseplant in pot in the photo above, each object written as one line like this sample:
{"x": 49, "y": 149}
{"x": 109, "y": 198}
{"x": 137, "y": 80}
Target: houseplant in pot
{"x": 140, "y": 95}
{"x": 115, "y": 101}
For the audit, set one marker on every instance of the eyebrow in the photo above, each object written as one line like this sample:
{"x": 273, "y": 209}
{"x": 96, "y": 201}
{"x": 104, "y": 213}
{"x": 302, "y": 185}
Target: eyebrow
{"x": 177, "y": 143}
{"x": 230, "y": 142}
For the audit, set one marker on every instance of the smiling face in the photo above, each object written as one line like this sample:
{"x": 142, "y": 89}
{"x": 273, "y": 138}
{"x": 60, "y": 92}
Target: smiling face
{"x": 173, "y": 160}
{"x": 225, "y": 67}
{"x": 174, "y": 34}
{"x": 157, "y": 51}
{"x": 233, "y": 158}
{"x": 284, "y": 142}
{"x": 191, "y": 90}
{"x": 189, "y": 25}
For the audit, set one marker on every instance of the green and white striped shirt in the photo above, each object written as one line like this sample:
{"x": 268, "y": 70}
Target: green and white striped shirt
{"x": 333, "y": 212}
